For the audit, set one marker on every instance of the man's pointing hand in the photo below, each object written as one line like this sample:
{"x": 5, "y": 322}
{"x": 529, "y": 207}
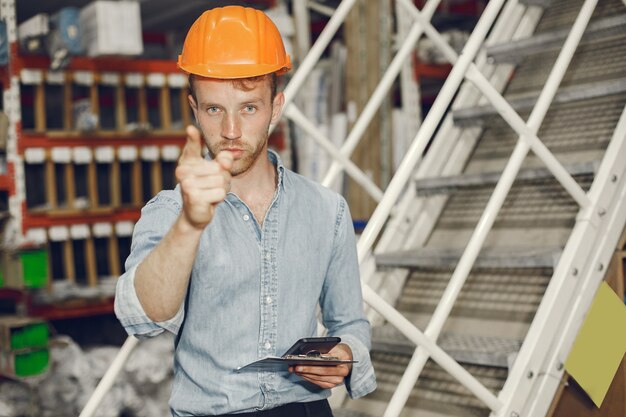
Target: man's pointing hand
{"x": 203, "y": 183}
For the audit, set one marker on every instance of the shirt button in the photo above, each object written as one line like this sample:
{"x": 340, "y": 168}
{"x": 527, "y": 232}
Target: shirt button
{"x": 268, "y": 300}
{"x": 268, "y": 345}
{"x": 246, "y": 217}
{"x": 268, "y": 256}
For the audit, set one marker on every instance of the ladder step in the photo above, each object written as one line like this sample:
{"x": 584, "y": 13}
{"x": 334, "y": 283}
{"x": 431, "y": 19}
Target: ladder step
{"x": 442, "y": 185}
{"x": 538, "y": 204}
{"x": 474, "y": 116}
{"x": 470, "y": 349}
{"x": 514, "y": 52}
{"x": 489, "y": 258}
{"x": 502, "y": 295}
{"x": 436, "y": 390}
{"x": 580, "y": 127}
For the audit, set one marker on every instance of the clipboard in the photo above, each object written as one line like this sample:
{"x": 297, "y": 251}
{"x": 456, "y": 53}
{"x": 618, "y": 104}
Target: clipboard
{"x": 308, "y": 351}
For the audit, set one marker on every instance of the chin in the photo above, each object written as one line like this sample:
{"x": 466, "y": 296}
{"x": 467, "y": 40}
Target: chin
{"x": 240, "y": 167}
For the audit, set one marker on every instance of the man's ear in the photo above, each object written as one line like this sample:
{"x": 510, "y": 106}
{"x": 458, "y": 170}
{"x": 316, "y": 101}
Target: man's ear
{"x": 277, "y": 107}
{"x": 194, "y": 106}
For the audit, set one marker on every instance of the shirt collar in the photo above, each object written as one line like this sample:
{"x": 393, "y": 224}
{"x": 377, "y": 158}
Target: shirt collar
{"x": 278, "y": 163}
{"x": 274, "y": 158}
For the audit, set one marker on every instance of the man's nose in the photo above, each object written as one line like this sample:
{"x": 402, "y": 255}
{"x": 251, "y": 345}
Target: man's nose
{"x": 230, "y": 127}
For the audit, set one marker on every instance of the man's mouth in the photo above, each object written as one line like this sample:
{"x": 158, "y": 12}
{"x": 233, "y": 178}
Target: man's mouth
{"x": 235, "y": 151}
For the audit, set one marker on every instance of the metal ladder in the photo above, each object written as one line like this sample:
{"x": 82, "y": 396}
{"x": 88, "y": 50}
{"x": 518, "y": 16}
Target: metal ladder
{"x": 505, "y": 309}
{"x": 499, "y": 281}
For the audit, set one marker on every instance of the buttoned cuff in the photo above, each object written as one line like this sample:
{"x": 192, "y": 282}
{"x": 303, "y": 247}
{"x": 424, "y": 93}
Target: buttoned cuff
{"x": 362, "y": 379}
{"x": 131, "y": 314}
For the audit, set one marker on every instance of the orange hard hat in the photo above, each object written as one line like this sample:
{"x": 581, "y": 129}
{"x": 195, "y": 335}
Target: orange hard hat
{"x": 233, "y": 42}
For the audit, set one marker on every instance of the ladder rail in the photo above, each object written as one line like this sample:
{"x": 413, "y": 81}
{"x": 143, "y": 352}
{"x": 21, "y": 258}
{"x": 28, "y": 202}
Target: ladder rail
{"x": 516, "y": 22}
{"x": 341, "y": 155}
{"x": 527, "y": 131}
{"x": 439, "y": 162}
{"x": 306, "y": 66}
{"x": 446, "y": 157}
{"x": 290, "y": 111}
{"x": 405, "y": 170}
{"x": 109, "y": 377}
{"x": 293, "y": 113}
{"x": 439, "y": 355}
{"x": 429, "y": 125}
{"x": 537, "y": 371}
{"x": 527, "y": 140}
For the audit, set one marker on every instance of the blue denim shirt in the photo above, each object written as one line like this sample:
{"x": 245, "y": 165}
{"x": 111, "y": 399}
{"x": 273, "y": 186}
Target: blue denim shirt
{"x": 253, "y": 292}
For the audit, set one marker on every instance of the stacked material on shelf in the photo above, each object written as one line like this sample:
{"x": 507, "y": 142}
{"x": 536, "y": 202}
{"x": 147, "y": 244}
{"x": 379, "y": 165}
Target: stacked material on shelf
{"x": 24, "y": 268}
{"x": 23, "y": 347}
{"x": 16, "y": 399}
{"x": 111, "y": 28}
{"x": 142, "y": 389}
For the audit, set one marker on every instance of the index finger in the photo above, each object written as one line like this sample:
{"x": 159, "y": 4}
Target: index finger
{"x": 193, "y": 147}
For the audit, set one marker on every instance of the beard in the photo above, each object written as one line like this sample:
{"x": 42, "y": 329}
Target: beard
{"x": 251, "y": 152}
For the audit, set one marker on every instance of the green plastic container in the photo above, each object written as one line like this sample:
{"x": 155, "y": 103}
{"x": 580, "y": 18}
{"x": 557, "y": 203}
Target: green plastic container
{"x": 30, "y": 336}
{"x": 31, "y": 363}
{"x": 35, "y": 268}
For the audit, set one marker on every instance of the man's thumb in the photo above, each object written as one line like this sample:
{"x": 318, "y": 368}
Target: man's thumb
{"x": 225, "y": 159}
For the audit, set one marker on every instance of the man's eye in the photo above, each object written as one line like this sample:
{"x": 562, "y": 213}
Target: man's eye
{"x": 212, "y": 110}
{"x": 250, "y": 109}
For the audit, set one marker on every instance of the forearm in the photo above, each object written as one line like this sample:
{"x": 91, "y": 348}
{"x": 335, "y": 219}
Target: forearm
{"x": 162, "y": 278}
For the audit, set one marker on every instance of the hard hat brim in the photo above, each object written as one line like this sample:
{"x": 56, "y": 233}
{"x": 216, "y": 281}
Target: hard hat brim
{"x": 213, "y": 70}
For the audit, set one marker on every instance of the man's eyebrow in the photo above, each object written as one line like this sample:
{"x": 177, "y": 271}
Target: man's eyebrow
{"x": 254, "y": 100}
{"x": 209, "y": 104}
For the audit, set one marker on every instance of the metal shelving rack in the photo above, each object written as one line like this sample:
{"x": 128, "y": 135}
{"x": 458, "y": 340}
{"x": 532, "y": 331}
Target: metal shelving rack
{"x": 145, "y": 150}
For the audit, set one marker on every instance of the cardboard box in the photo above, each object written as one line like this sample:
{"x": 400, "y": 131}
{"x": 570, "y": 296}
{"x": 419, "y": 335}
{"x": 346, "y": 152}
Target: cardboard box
{"x": 25, "y": 268}
{"x": 25, "y": 363}
{"x": 19, "y": 333}
{"x": 35, "y": 26}
{"x": 23, "y": 346}
{"x": 111, "y": 28}
{"x": 32, "y": 33}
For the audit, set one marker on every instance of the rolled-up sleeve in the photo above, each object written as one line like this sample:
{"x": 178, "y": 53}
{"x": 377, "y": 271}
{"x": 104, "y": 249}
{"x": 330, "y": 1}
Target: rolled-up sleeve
{"x": 156, "y": 219}
{"x": 342, "y": 304}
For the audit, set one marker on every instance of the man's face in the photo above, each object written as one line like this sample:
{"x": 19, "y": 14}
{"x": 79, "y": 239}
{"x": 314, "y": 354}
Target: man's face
{"x": 235, "y": 119}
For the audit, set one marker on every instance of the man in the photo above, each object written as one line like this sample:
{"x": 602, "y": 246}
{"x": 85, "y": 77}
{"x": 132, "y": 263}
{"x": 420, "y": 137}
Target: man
{"x": 238, "y": 258}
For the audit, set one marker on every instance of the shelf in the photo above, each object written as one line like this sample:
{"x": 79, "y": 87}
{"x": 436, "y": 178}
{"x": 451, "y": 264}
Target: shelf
{"x": 101, "y": 64}
{"x": 18, "y": 296}
{"x": 455, "y": 14}
{"x": 115, "y": 139}
{"x": 72, "y": 309}
{"x": 68, "y": 217}
{"x": 5, "y": 182}
{"x": 439, "y": 71}
{"x": 461, "y": 7}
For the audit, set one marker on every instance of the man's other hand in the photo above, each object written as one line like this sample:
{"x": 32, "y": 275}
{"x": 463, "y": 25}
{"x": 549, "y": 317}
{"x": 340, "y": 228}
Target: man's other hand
{"x": 327, "y": 376}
